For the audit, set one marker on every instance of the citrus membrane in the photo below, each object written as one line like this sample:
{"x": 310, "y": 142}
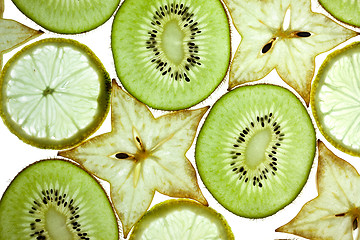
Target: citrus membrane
{"x": 346, "y": 11}
{"x": 182, "y": 219}
{"x": 335, "y": 99}
{"x": 54, "y": 93}
{"x": 68, "y": 16}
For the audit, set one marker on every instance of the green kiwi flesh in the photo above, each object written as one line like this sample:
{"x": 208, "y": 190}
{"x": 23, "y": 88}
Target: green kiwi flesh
{"x": 55, "y": 199}
{"x": 255, "y": 150}
{"x": 171, "y": 54}
{"x": 68, "y": 17}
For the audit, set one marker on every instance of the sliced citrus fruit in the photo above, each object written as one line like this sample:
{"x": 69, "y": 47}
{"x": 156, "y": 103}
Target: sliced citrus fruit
{"x": 54, "y": 93}
{"x": 335, "y": 99}
{"x": 182, "y": 219}
{"x": 68, "y": 16}
{"x": 346, "y": 11}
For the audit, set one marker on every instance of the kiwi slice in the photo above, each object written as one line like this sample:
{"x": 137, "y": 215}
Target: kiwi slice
{"x": 346, "y": 11}
{"x": 55, "y": 199}
{"x": 255, "y": 149}
{"x": 68, "y": 16}
{"x": 171, "y": 54}
{"x": 54, "y": 93}
{"x": 182, "y": 219}
{"x": 335, "y": 99}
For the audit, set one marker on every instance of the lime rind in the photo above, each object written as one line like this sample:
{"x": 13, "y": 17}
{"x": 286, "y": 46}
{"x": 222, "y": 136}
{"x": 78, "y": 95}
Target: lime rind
{"x": 33, "y": 94}
{"x": 334, "y": 99}
{"x": 182, "y": 219}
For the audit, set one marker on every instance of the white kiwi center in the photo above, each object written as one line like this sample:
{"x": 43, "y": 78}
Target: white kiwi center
{"x": 172, "y": 42}
{"x": 56, "y": 225}
{"x": 255, "y": 151}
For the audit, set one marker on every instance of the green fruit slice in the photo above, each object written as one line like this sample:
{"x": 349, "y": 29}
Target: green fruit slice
{"x": 171, "y": 55}
{"x": 335, "y": 99}
{"x": 68, "y": 16}
{"x": 55, "y": 199}
{"x": 346, "y": 11}
{"x": 182, "y": 219}
{"x": 54, "y": 93}
{"x": 255, "y": 150}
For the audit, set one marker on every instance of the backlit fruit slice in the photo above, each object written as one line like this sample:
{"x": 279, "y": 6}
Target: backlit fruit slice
{"x": 346, "y": 11}
{"x": 171, "y": 54}
{"x": 55, "y": 199}
{"x": 65, "y": 16}
{"x": 335, "y": 99}
{"x": 255, "y": 150}
{"x": 54, "y": 93}
{"x": 182, "y": 219}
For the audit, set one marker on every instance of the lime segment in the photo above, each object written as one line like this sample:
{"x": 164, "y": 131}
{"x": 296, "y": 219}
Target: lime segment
{"x": 54, "y": 93}
{"x": 335, "y": 99}
{"x": 346, "y": 11}
{"x": 182, "y": 219}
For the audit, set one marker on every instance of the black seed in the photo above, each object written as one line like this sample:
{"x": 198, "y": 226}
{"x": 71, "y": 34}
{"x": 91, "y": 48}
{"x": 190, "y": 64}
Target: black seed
{"x": 245, "y": 131}
{"x": 275, "y": 169}
{"x": 241, "y": 134}
{"x": 270, "y": 155}
{"x": 164, "y": 73}
{"x": 273, "y": 173}
{"x": 247, "y": 179}
{"x": 274, "y": 147}
{"x": 277, "y": 132}
{"x": 303, "y": 34}
{"x": 340, "y": 215}
{"x": 235, "y": 157}
{"x": 262, "y": 124}
{"x": 274, "y": 163}
{"x": 236, "y": 145}
{"x": 238, "y": 154}
{"x": 266, "y": 117}
{"x": 252, "y": 124}
{"x": 277, "y": 127}
{"x": 254, "y": 183}
{"x": 244, "y": 173}
{"x": 260, "y": 184}
{"x": 241, "y": 169}
{"x": 281, "y": 135}
{"x": 31, "y": 212}
{"x": 37, "y": 220}
{"x": 273, "y": 152}
{"x": 277, "y": 144}
{"x": 232, "y": 164}
{"x": 242, "y": 139}
{"x": 235, "y": 169}
{"x": 258, "y": 119}
{"x": 270, "y": 115}
{"x": 274, "y": 158}
{"x": 267, "y": 47}
{"x": 266, "y": 170}
{"x": 274, "y": 124}
{"x": 44, "y": 201}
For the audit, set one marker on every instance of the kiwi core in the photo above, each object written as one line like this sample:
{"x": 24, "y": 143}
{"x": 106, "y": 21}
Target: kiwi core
{"x": 172, "y": 42}
{"x": 256, "y": 149}
{"x": 56, "y": 225}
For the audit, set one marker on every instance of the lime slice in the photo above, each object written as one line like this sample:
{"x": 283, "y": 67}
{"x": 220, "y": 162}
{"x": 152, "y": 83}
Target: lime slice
{"x": 182, "y": 219}
{"x": 63, "y": 16}
{"x": 54, "y": 93}
{"x": 346, "y": 11}
{"x": 335, "y": 99}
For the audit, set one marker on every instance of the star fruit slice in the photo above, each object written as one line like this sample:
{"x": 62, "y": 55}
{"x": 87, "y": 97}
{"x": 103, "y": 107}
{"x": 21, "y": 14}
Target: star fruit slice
{"x": 281, "y": 34}
{"x": 13, "y": 34}
{"x": 335, "y": 212}
{"x": 141, "y": 155}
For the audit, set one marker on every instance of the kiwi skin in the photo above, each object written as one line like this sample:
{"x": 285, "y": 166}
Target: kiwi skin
{"x": 172, "y": 103}
{"x": 214, "y": 185}
{"x": 74, "y": 140}
{"x": 74, "y": 164}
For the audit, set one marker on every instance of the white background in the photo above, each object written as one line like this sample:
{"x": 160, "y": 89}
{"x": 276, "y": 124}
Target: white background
{"x": 15, "y": 155}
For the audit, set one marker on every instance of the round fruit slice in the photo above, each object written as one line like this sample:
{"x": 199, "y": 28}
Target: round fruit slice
{"x": 54, "y": 93}
{"x": 68, "y": 16}
{"x": 171, "y": 55}
{"x": 346, "y": 11}
{"x": 335, "y": 99}
{"x": 182, "y": 219}
{"x": 255, "y": 150}
{"x": 55, "y": 199}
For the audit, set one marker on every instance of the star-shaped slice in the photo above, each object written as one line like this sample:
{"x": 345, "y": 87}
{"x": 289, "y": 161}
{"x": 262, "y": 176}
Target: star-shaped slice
{"x": 141, "y": 155}
{"x": 281, "y": 34}
{"x": 13, "y": 34}
{"x": 335, "y": 212}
